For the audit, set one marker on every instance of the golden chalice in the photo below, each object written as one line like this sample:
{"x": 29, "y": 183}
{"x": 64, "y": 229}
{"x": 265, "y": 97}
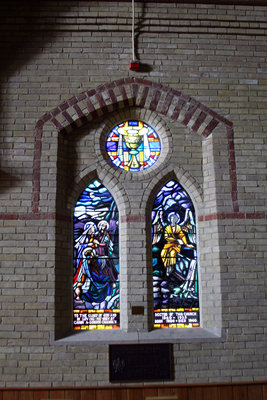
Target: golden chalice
{"x": 133, "y": 136}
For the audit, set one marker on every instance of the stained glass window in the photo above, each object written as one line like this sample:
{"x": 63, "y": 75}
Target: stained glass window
{"x": 96, "y": 260}
{"x": 174, "y": 252}
{"x": 133, "y": 146}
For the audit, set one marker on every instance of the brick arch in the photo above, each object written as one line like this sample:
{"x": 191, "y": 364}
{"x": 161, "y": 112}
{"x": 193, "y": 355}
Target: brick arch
{"x": 136, "y": 92}
{"x": 91, "y": 104}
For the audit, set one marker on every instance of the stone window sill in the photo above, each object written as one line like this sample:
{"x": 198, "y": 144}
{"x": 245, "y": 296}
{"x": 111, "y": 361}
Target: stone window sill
{"x": 181, "y": 335}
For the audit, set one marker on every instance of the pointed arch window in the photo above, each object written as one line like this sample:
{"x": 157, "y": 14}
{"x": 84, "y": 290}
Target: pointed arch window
{"x": 174, "y": 254}
{"x": 96, "y": 300}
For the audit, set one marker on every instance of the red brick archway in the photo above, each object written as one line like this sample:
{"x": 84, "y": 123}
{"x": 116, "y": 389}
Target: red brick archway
{"x": 129, "y": 92}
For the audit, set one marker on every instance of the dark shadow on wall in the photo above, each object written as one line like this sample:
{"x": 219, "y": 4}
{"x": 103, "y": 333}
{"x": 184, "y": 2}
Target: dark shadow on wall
{"x": 19, "y": 26}
{"x": 63, "y": 240}
{"x": 141, "y": 20}
{"x": 67, "y": 169}
{"x": 7, "y": 181}
{"x": 22, "y": 37}
{"x": 139, "y": 30}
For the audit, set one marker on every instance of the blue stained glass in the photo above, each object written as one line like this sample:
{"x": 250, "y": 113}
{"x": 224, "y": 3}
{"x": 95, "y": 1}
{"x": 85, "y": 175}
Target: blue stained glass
{"x": 174, "y": 252}
{"x": 111, "y": 146}
{"x": 96, "y": 303}
{"x": 133, "y": 146}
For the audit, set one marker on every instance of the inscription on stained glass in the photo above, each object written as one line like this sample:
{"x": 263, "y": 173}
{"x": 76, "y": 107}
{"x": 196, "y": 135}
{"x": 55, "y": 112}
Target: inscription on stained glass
{"x": 133, "y": 146}
{"x": 175, "y": 276}
{"x": 96, "y": 302}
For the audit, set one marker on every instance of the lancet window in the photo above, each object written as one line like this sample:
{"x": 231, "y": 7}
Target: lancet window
{"x": 96, "y": 287}
{"x": 174, "y": 254}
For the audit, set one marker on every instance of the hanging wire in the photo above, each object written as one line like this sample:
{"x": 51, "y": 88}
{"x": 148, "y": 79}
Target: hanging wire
{"x": 133, "y": 49}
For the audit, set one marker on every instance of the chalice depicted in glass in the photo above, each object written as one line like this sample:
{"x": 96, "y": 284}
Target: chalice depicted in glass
{"x": 133, "y": 136}
{"x": 133, "y": 145}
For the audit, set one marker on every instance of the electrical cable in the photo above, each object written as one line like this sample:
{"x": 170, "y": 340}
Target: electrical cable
{"x": 133, "y": 49}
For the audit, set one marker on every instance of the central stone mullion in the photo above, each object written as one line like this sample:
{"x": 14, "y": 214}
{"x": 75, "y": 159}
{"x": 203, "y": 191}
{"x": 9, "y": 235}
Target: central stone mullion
{"x": 133, "y": 273}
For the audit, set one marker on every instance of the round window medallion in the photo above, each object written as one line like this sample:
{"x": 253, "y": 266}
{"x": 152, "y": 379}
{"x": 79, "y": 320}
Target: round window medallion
{"x": 133, "y": 146}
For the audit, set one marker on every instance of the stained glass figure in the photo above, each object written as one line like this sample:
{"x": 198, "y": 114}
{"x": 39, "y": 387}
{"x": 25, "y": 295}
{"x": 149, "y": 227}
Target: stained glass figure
{"x": 133, "y": 146}
{"x": 96, "y": 303}
{"x": 174, "y": 252}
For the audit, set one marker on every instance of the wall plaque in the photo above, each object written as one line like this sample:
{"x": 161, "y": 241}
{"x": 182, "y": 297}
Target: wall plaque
{"x": 140, "y": 362}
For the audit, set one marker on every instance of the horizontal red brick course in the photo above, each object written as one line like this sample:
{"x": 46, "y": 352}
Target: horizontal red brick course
{"x": 131, "y": 218}
{"x": 234, "y": 215}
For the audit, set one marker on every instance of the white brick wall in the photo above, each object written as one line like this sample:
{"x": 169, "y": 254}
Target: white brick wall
{"x": 53, "y": 52}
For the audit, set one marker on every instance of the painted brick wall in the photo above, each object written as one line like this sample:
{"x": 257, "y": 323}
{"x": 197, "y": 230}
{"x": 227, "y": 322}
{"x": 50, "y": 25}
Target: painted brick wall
{"x": 64, "y": 80}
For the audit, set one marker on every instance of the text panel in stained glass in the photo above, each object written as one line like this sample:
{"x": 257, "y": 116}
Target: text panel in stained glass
{"x": 133, "y": 146}
{"x": 96, "y": 302}
{"x": 175, "y": 275}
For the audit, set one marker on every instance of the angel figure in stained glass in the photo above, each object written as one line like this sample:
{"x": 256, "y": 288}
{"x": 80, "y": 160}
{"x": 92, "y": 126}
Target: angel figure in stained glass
{"x": 175, "y": 238}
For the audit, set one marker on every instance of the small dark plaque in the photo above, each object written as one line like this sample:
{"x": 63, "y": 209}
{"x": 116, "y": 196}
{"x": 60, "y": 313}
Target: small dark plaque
{"x": 138, "y": 310}
{"x": 140, "y": 362}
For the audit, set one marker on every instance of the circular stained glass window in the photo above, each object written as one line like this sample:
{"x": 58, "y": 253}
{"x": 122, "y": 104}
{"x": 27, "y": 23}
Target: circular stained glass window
{"x": 133, "y": 146}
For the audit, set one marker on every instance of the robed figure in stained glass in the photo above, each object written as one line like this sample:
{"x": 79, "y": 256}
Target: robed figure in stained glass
{"x": 96, "y": 274}
{"x": 96, "y": 260}
{"x": 175, "y": 281}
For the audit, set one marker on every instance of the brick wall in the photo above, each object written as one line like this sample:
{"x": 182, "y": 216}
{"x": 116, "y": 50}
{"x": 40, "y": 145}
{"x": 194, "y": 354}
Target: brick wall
{"x": 64, "y": 82}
